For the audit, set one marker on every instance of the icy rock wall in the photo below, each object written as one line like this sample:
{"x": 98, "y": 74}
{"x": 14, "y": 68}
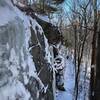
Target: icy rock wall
{"x": 42, "y": 59}
{"x": 18, "y": 71}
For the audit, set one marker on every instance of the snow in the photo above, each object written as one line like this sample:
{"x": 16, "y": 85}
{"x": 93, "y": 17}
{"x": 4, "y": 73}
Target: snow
{"x": 54, "y": 84}
{"x": 47, "y": 50}
{"x": 15, "y": 89}
{"x": 14, "y": 63}
{"x": 60, "y": 65}
{"x": 16, "y": 2}
{"x": 30, "y": 2}
{"x": 33, "y": 46}
{"x": 69, "y": 79}
{"x": 34, "y": 24}
{"x": 68, "y": 82}
{"x": 43, "y": 17}
{"x": 6, "y": 18}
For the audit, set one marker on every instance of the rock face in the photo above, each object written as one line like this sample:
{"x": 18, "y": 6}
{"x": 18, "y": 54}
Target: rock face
{"x": 24, "y": 57}
{"x": 51, "y": 31}
{"x": 40, "y": 55}
{"x": 13, "y": 54}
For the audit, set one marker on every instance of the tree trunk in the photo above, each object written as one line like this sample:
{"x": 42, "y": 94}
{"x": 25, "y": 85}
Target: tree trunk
{"x": 97, "y": 86}
{"x": 97, "y": 79}
{"x": 93, "y": 58}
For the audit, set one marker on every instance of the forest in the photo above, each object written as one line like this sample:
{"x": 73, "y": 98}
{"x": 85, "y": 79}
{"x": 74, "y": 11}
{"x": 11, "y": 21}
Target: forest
{"x": 49, "y": 49}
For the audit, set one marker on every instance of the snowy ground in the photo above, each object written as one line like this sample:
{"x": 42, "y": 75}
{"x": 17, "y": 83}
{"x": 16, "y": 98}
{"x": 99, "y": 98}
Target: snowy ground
{"x": 68, "y": 81}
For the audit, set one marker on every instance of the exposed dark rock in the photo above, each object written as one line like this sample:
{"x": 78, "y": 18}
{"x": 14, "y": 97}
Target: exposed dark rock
{"x": 33, "y": 87}
{"x": 42, "y": 66}
{"x": 51, "y": 31}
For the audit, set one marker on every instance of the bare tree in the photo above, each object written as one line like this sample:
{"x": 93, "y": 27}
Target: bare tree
{"x": 93, "y": 57}
{"x": 81, "y": 19}
{"x": 97, "y": 79}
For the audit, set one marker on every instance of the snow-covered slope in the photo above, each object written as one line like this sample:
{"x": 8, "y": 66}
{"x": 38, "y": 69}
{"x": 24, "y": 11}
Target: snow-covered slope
{"x": 69, "y": 79}
{"x": 68, "y": 82}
